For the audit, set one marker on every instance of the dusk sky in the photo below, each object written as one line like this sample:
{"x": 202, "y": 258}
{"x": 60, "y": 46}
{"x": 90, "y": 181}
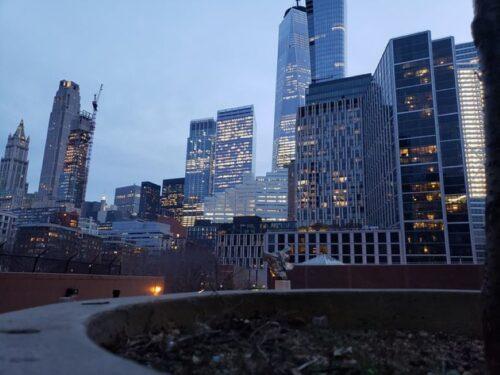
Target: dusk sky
{"x": 165, "y": 62}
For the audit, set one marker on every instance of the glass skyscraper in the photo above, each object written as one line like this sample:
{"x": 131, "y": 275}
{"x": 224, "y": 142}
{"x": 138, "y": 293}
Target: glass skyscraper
{"x": 127, "y": 200}
{"x": 149, "y": 205}
{"x": 293, "y": 75}
{"x": 413, "y": 151}
{"x": 73, "y": 180}
{"x": 199, "y": 160}
{"x": 327, "y": 38}
{"x": 471, "y": 95}
{"x": 65, "y": 109}
{"x": 329, "y": 159}
{"x": 234, "y": 147}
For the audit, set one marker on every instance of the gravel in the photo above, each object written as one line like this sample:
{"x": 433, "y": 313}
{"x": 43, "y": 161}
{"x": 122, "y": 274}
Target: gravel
{"x": 279, "y": 344}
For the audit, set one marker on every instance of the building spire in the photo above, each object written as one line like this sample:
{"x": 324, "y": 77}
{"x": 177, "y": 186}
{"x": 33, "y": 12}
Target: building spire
{"x": 20, "y": 130}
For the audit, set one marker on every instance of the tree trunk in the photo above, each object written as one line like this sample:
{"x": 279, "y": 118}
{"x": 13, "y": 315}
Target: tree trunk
{"x": 486, "y": 31}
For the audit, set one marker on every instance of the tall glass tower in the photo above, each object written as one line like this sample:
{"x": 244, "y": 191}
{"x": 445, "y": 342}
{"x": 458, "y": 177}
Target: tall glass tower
{"x": 413, "y": 151}
{"x": 234, "y": 147}
{"x": 199, "y": 160}
{"x": 73, "y": 179}
{"x": 471, "y": 97}
{"x": 65, "y": 109}
{"x": 327, "y": 36}
{"x": 292, "y": 78}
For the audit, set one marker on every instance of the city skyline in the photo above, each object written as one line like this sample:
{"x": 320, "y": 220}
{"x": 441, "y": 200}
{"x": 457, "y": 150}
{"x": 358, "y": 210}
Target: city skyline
{"x": 107, "y": 168}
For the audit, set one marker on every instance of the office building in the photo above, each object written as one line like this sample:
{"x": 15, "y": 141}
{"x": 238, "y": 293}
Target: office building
{"x": 191, "y": 212}
{"x": 271, "y": 201}
{"x": 151, "y": 236}
{"x": 14, "y": 169}
{"x": 7, "y": 230}
{"x": 413, "y": 152}
{"x": 172, "y": 198}
{"x": 128, "y": 199}
{"x": 293, "y": 75}
{"x": 329, "y": 157}
{"x": 56, "y": 242}
{"x": 149, "y": 206}
{"x": 65, "y": 109}
{"x": 47, "y": 215}
{"x": 90, "y": 210}
{"x": 199, "y": 160}
{"x": 235, "y": 147}
{"x": 326, "y": 21}
{"x": 73, "y": 179}
{"x": 471, "y": 97}
{"x": 292, "y": 191}
{"x": 264, "y": 196}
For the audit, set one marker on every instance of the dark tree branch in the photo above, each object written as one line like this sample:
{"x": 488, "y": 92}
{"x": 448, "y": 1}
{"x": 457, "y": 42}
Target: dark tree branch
{"x": 486, "y": 31}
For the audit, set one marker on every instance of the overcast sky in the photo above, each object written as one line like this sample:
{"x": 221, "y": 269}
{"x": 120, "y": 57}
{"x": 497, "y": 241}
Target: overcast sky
{"x": 165, "y": 62}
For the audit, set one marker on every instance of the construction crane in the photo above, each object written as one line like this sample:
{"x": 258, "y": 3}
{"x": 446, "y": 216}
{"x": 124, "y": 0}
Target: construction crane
{"x": 95, "y": 102}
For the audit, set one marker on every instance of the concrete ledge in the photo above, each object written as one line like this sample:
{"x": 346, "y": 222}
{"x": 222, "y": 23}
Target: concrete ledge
{"x": 63, "y": 338}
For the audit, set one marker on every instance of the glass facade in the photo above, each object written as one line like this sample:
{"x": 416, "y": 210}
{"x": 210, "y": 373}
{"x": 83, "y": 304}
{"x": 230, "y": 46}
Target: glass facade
{"x": 471, "y": 95}
{"x": 265, "y": 197}
{"x": 149, "y": 205}
{"x": 199, "y": 160}
{"x": 327, "y": 38}
{"x": 172, "y": 198}
{"x": 65, "y": 109}
{"x": 413, "y": 150}
{"x": 73, "y": 180}
{"x": 293, "y": 75}
{"x": 234, "y": 147}
{"x": 127, "y": 200}
{"x": 329, "y": 156}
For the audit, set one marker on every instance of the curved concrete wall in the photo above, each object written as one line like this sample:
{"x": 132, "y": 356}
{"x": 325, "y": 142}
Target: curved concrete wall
{"x": 63, "y": 338}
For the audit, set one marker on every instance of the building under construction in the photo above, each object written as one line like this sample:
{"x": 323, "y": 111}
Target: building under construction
{"x": 73, "y": 180}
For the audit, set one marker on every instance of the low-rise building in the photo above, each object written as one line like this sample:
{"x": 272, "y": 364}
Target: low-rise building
{"x": 153, "y": 237}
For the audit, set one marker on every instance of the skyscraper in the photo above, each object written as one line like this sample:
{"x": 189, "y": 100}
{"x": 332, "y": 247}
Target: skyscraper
{"x": 234, "y": 147}
{"x": 73, "y": 180}
{"x": 471, "y": 95}
{"x": 65, "y": 109}
{"x": 149, "y": 206}
{"x": 172, "y": 197}
{"x": 127, "y": 200}
{"x": 327, "y": 38}
{"x": 14, "y": 168}
{"x": 329, "y": 159}
{"x": 413, "y": 152}
{"x": 293, "y": 75}
{"x": 199, "y": 160}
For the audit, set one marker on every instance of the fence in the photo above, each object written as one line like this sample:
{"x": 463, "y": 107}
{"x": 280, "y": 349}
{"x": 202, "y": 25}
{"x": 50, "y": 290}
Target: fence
{"x": 41, "y": 264}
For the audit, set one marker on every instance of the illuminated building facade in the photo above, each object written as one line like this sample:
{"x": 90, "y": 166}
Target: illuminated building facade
{"x": 264, "y": 196}
{"x": 128, "y": 199}
{"x": 293, "y": 75}
{"x": 172, "y": 197}
{"x": 199, "y": 160}
{"x": 56, "y": 242}
{"x": 65, "y": 109}
{"x": 413, "y": 152}
{"x": 235, "y": 147}
{"x": 327, "y": 38}
{"x": 329, "y": 157}
{"x": 471, "y": 95}
{"x": 73, "y": 179}
{"x": 149, "y": 205}
{"x": 14, "y": 169}
{"x": 271, "y": 202}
